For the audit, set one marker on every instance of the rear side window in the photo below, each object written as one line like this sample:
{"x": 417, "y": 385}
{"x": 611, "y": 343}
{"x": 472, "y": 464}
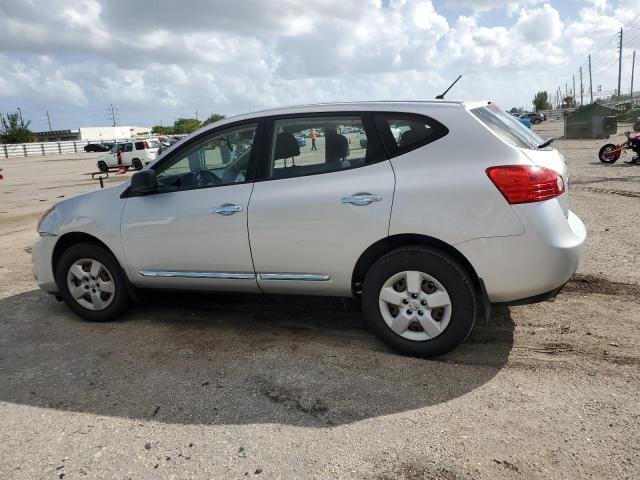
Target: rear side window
{"x": 403, "y": 132}
{"x": 311, "y": 145}
{"x": 139, "y": 145}
{"x": 508, "y": 127}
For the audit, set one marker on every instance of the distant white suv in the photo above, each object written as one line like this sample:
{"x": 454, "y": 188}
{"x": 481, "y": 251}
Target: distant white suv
{"x": 135, "y": 154}
{"x": 447, "y": 207}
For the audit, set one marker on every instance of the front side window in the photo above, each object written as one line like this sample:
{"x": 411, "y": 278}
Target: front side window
{"x": 220, "y": 159}
{"x": 507, "y": 127}
{"x": 128, "y": 147}
{"x": 311, "y": 145}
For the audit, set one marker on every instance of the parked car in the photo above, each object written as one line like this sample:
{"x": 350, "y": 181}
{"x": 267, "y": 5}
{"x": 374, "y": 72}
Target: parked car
{"x": 301, "y": 140}
{"x": 525, "y": 121}
{"x": 96, "y": 147}
{"x": 134, "y": 153}
{"x": 480, "y": 216}
{"x": 534, "y": 118}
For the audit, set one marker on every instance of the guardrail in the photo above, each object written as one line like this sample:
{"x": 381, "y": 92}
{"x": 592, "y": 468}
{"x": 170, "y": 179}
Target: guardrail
{"x": 12, "y": 150}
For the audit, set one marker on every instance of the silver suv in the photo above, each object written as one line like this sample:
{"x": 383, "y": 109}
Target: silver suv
{"x": 445, "y": 208}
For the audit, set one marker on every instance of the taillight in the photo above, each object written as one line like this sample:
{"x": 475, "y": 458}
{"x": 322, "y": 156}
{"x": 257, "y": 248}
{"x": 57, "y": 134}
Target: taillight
{"x": 146, "y": 145}
{"x": 526, "y": 183}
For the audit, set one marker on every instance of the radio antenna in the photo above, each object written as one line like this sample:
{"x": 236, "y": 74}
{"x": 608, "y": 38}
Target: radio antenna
{"x": 441, "y": 96}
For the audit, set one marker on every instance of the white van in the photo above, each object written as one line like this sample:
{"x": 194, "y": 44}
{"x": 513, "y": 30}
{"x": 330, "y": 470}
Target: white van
{"x": 134, "y": 153}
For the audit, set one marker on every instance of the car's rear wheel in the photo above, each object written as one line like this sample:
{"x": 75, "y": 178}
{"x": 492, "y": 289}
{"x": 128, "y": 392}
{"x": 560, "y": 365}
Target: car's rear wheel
{"x": 102, "y": 166}
{"x": 136, "y": 163}
{"x": 536, "y": 121}
{"x": 420, "y": 301}
{"x": 92, "y": 283}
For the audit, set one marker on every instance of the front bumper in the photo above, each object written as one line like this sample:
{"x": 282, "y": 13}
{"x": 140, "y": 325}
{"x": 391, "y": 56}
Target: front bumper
{"x": 41, "y": 256}
{"x": 532, "y": 266}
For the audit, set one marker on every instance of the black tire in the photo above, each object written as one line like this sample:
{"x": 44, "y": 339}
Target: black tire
{"x": 602, "y": 154}
{"x": 136, "y": 164}
{"x": 465, "y": 302}
{"x": 102, "y": 166}
{"x": 121, "y": 298}
{"x": 536, "y": 121}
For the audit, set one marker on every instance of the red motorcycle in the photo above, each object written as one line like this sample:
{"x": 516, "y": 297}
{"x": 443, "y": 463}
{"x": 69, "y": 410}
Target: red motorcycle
{"x": 609, "y": 153}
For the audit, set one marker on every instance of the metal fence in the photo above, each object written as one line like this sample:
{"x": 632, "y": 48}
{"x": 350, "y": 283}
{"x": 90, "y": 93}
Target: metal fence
{"x": 11, "y": 150}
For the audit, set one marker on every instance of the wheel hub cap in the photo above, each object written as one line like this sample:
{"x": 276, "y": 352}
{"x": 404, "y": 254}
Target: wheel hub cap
{"x": 91, "y": 284}
{"x": 415, "y": 305}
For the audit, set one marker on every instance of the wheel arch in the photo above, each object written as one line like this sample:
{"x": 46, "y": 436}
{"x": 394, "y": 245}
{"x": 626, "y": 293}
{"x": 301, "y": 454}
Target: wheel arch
{"x": 73, "y": 238}
{"x": 387, "y": 244}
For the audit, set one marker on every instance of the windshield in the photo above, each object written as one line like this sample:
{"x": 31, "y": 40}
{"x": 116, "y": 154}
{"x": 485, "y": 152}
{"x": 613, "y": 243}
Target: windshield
{"x": 508, "y": 127}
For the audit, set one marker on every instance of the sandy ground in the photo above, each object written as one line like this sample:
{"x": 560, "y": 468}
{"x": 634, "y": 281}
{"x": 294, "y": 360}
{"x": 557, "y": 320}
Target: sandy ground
{"x": 233, "y": 386}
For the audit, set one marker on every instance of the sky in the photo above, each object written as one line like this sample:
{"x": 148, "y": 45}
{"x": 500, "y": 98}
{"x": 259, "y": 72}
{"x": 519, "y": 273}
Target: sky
{"x": 161, "y": 60}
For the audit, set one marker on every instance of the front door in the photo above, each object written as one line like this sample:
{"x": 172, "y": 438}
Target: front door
{"x": 192, "y": 233}
{"x": 326, "y": 196}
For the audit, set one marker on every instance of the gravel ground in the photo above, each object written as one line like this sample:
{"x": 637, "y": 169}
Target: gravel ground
{"x": 234, "y": 386}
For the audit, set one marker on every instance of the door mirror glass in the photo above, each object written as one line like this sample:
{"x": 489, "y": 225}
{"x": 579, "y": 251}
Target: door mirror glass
{"x": 143, "y": 182}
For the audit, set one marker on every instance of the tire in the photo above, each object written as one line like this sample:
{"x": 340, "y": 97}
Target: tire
{"x": 102, "y": 166}
{"x": 452, "y": 323}
{"x": 605, "y": 156}
{"x": 536, "y": 121}
{"x": 136, "y": 164}
{"x": 115, "y": 303}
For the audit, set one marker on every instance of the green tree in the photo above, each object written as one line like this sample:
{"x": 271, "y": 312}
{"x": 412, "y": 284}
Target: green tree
{"x": 214, "y": 117}
{"x": 162, "y": 130}
{"x": 14, "y": 130}
{"x": 541, "y": 101}
{"x": 514, "y": 110}
{"x": 186, "y": 125}
{"x": 569, "y": 102}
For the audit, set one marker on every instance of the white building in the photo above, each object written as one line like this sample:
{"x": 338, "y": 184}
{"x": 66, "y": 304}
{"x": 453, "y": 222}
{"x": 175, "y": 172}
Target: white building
{"x": 94, "y": 134}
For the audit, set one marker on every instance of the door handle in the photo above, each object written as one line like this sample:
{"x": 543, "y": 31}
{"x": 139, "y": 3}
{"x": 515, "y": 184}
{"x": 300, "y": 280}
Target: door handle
{"x": 362, "y": 199}
{"x": 227, "y": 209}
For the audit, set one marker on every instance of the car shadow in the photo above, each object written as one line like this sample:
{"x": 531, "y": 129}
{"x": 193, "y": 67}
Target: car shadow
{"x": 230, "y": 359}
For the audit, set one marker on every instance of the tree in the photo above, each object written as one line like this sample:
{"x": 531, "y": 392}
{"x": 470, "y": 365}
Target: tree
{"x": 162, "y": 130}
{"x": 186, "y": 125}
{"x": 541, "y": 101}
{"x": 214, "y": 117}
{"x": 14, "y": 130}
{"x": 569, "y": 102}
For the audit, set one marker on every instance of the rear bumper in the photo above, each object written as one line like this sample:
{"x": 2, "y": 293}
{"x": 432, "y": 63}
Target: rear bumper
{"x": 533, "y": 266}
{"x": 41, "y": 256}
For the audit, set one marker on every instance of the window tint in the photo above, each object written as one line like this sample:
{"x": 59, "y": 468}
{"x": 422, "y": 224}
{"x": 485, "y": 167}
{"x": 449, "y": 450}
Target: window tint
{"x": 507, "y": 127}
{"x": 310, "y": 145}
{"x": 128, "y": 147}
{"x": 404, "y": 132}
{"x": 139, "y": 145}
{"x": 220, "y": 159}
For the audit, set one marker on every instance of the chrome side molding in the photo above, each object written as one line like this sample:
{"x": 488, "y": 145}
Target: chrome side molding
{"x": 210, "y": 275}
{"x": 296, "y": 277}
{"x": 300, "y": 277}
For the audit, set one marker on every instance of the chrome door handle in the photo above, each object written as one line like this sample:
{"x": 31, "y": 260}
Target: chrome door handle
{"x": 361, "y": 199}
{"x": 227, "y": 209}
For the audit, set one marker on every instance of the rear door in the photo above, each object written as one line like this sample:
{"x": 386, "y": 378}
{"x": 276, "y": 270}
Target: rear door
{"x": 318, "y": 207}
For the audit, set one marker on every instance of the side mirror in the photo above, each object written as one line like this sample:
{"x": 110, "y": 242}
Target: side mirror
{"x": 143, "y": 182}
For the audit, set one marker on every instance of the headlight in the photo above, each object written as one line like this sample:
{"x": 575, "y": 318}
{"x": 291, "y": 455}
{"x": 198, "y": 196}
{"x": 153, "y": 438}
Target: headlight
{"x": 44, "y": 215}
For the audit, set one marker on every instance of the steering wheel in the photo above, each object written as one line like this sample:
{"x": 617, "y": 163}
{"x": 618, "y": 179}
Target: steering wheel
{"x": 204, "y": 178}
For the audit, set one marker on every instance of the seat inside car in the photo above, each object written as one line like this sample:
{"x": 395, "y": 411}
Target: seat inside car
{"x": 286, "y": 147}
{"x": 416, "y": 134}
{"x": 336, "y": 148}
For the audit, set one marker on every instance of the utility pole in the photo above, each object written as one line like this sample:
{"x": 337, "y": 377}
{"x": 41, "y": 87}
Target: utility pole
{"x": 20, "y": 112}
{"x": 620, "y": 64}
{"x": 566, "y": 91}
{"x": 590, "y": 81}
{"x": 113, "y": 115}
{"x": 633, "y": 66}
{"x": 574, "y": 89}
{"x": 581, "y": 88}
{"x": 49, "y": 118}
{"x": 196, "y": 114}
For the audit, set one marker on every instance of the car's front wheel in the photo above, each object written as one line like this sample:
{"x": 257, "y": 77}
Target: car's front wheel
{"x": 92, "y": 283}
{"x": 420, "y": 301}
{"x": 102, "y": 166}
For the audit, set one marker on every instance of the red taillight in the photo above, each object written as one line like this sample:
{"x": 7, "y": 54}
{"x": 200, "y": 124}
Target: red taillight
{"x": 146, "y": 145}
{"x": 525, "y": 183}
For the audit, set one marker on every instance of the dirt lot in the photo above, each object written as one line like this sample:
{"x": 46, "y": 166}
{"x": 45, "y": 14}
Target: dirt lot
{"x": 234, "y": 386}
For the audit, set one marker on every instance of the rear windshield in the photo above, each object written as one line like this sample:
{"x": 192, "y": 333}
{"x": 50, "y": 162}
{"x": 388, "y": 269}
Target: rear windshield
{"x": 508, "y": 127}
